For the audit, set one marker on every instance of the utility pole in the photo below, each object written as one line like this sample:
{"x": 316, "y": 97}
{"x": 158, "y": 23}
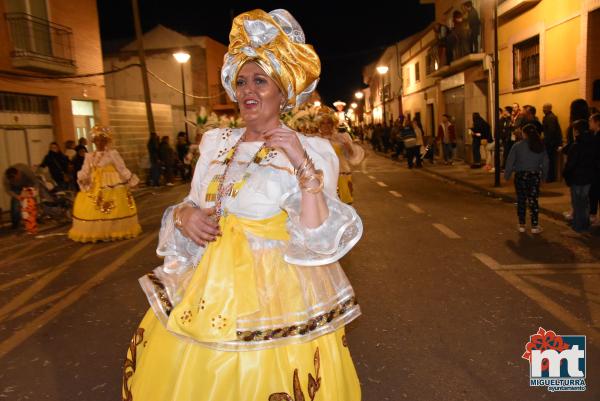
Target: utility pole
{"x": 496, "y": 100}
{"x": 142, "y": 56}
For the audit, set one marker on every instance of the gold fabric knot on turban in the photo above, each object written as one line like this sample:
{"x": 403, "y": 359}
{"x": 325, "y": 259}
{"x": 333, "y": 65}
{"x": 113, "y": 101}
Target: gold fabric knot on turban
{"x": 275, "y": 41}
{"x": 101, "y": 131}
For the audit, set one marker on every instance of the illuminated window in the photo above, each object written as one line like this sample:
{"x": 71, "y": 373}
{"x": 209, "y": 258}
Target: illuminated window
{"x": 526, "y": 63}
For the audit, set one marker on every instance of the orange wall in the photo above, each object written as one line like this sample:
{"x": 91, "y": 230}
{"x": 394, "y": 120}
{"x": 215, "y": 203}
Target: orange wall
{"x": 83, "y": 20}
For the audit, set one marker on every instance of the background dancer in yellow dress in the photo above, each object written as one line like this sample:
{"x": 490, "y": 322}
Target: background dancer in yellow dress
{"x": 349, "y": 153}
{"x": 251, "y": 303}
{"x": 104, "y": 209}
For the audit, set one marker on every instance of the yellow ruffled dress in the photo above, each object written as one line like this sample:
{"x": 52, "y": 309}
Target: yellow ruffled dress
{"x": 345, "y": 187}
{"x": 259, "y": 314}
{"x": 104, "y": 209}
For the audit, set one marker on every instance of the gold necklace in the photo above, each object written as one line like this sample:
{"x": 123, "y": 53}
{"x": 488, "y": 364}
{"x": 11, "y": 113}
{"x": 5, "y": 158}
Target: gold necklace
{"x": 222, "y": 189}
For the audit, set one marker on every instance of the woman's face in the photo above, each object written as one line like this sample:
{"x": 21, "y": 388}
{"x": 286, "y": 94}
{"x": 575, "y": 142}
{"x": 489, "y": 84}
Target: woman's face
{"x": 259, "y": 98}
{"x": 100, "y": 142}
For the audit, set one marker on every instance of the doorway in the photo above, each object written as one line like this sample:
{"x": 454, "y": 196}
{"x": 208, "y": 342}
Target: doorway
{"x": 455, "y": 107}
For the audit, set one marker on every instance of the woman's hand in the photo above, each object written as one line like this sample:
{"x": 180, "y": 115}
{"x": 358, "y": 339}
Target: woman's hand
{"x": 198, "y": 224}
{"x": 286, "y": 139}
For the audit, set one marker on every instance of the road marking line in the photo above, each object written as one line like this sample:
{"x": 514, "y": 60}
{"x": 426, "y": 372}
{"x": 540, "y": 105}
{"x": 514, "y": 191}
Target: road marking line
{"x": 33, "y": 255}
{"x": 446, "y": 231}
{"x": 381, "y": 184}
{"x": 539, "y": 297}
{"x": 36, "y": 287}
{"x": 15, "y": 256}
{"x": 565, "y": 289}
{"x": 396, "y": 194}
{"x": 42, "y": 302}
{"x": 415, "y": 208}
{"x": 371, "y": 177}
{"x": 26, "y": 277}
{"x": 34, "y": 325}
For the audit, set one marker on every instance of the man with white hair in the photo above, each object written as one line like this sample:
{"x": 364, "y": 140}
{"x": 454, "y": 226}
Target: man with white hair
{"x": 552, "y": 139}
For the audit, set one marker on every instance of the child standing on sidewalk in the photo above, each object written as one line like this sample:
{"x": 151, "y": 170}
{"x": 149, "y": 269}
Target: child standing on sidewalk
{"x": 529, "y": 160}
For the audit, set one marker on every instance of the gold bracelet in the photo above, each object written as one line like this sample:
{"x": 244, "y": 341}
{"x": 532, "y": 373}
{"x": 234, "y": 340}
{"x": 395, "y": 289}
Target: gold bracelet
{"x": 177, "y": 216}
{"x": 306, "y": 179}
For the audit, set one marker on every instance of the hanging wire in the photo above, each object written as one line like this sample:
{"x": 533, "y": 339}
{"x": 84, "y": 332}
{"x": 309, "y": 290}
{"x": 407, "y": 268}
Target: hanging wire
{"x": 11, "y": 74}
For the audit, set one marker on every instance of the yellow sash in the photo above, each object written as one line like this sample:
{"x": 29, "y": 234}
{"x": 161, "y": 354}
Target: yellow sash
{"x": 223, "y": 286}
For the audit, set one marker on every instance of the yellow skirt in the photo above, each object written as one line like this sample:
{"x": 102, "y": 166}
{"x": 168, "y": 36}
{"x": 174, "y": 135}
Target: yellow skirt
{"x": 161, "y": 366}
{"x": 345, "y": 189}
{"x": 106, "y": 212}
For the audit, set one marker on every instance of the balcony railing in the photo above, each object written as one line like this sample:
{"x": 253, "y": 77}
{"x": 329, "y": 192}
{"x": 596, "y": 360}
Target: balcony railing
{"x": 38, "y": 44}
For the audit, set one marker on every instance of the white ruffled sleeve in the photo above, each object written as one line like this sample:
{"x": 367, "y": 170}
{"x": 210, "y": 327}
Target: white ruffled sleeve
{"x": 339, "y": 232}
{"x": 131, "y": 179}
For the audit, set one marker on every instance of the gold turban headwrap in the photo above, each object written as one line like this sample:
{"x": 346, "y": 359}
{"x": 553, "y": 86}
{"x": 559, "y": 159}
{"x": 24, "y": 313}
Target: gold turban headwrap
{"x": 101, "y": 131}
{"x": 275, "y": 41}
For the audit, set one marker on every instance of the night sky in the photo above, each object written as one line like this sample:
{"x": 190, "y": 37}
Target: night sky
{"x": 346, "y": 37}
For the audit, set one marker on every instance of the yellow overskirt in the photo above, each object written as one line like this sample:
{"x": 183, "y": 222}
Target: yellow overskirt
{"x": 106, "y": 211}
{"x": 345, "y": 189}
{"x": 162, "y": 366}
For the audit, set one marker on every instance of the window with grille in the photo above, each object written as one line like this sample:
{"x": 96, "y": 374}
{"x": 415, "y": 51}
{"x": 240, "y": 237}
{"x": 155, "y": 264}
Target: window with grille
{"x": 17, "y": 103}
{"x": 526, "y": 63}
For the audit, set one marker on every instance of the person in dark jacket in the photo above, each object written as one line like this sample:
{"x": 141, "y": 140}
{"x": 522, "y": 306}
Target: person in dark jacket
{"x": 153, "y": 144}
{"x": 167, "y": 159}
{"x": 552, "y": 139}
{"x": 58, "y": 164}
{"x": 481, "y": 130}
{"x": 474, "y": 25}
{"x": 595, "y": 188}
{"x": 506, "y": 132}
{"x": 16, "y": 178}
{"x": 579, "y": 110}
{"x": 409, "y": 140}
{"x": 580, "y": 173}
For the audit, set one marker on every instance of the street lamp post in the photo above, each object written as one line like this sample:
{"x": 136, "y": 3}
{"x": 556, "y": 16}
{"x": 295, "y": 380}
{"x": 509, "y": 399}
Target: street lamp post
{"x": 382, "y": 70}
{"x": 182, "y": 58}
{"x": 359, "y": 95}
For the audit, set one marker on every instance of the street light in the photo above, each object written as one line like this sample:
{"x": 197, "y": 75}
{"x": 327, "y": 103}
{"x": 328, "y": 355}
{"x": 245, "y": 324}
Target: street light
{"x": 382, "y": 70}
{"x": 354, "y": 105}
{"x": 182, "y": 58}
{"x": 359, "y": 95}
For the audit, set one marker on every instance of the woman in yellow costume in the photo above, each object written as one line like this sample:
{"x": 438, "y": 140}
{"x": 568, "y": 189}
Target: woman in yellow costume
{"x": 104, "y": 209}
{"x": 349, "y": 153}
{"x": 251, "y": 302}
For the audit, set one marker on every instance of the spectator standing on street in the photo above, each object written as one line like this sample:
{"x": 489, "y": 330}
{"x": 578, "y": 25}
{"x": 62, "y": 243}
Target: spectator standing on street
{"x": 480, "y": 131}
{"x": 552, "y": 139}
{"x": 580, "y": 173}
{"x": 167, "y": 159}
{"x": 595, "y": 188}
{"x": 58, "y": 165}
{"x": 70, "y": 151}
{"x": 17, "y": 178}
{"x": 506, "y": 133}
{"x": 153, "y": 154}
{"x": 529, "y": 161}
{"x": 82, "y": 143}
{"x": 447, "y": 137}
{"x": 410, "y": 142}
{"x": 182, "y": 147}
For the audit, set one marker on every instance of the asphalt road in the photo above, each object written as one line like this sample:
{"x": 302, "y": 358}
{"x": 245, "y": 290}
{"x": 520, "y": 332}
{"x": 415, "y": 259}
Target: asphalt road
{"x": 450, "y": 293}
